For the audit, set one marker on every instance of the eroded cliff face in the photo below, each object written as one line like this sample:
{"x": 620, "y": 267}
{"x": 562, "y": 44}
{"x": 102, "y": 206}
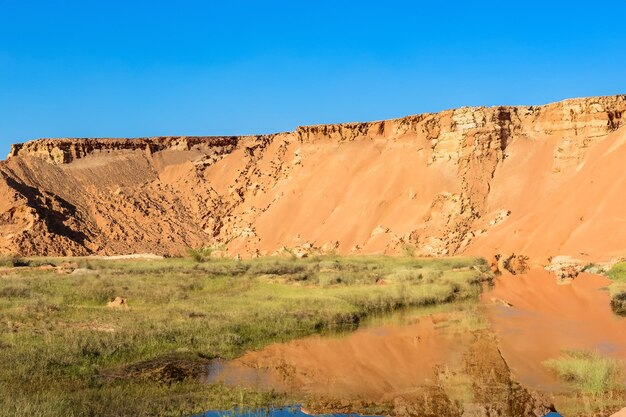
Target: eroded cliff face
{"x": 540, "y": 181}
{"x": 63, "y": 151}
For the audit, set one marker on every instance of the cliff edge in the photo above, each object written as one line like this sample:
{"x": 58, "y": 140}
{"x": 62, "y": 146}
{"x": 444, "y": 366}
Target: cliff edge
{"x": 532, "y": 180}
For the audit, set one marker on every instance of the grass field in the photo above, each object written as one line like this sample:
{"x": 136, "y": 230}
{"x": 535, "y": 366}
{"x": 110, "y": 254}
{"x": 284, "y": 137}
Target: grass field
{"x": 590, "y": 372}
{"x": 595, "y": 381}
{"x": 65, "y": 353}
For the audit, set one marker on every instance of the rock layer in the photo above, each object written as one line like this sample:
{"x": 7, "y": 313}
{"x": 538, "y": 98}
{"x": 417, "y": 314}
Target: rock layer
{"x": 536, "y": 181}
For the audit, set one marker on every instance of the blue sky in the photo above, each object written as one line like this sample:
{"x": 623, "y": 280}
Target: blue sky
{"x": 144, "y": 68}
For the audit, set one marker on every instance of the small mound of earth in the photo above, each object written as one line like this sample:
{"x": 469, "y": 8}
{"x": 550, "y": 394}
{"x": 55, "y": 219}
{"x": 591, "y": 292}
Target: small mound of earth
{"x": 118, "y": 302}
{"x": 164, "y": 370}
{"x": 513, "y": 264}
{"x": 84, "y": 271}
{"x": 565, "y": 268}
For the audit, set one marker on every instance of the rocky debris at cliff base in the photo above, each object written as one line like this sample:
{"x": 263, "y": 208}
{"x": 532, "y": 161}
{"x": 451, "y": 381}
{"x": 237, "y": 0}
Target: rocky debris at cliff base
{"x": 513, "y": 264}
{"x": 565, "y": 268}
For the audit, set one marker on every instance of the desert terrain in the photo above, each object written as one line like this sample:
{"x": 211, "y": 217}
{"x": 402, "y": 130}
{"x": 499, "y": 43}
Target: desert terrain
{"x": 537, "y": 181}
{"x": 464, "y": 263}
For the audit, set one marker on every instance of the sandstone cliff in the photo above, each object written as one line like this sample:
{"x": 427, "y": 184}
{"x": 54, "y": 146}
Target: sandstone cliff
{"x": 539, "y": 181}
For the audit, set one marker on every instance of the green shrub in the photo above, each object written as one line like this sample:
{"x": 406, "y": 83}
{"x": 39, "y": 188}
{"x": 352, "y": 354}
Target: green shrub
{"x": 618, "y": 272}
{"x": 201, "y": 254}
{"x": 618, "y": 303}
{"x": 590, "y": 372}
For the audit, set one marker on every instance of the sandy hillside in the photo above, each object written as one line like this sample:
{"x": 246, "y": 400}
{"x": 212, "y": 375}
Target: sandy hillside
{"x": 536, "y": 181}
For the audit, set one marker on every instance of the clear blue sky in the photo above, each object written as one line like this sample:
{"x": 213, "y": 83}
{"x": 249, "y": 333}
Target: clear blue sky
{"x": 144, "y": 68}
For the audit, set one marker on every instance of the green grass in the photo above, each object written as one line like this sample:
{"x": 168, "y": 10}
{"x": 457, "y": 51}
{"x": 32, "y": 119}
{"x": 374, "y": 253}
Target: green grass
{"x": 589, "y": 372}
{"x": 618, "y": 288}
{"x": 618, "y": 272}
{"x": 595, "y": 379}
{"x": 204, "y": 253}
{"x": 64, "y": 353}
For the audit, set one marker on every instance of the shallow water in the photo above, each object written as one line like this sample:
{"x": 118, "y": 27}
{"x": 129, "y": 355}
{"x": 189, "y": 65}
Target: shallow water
{"x": 292, "y": 411}
{"x": 545, "y": 318}
{"x": 376, "y": 362}
{"x": 533, "y": 317}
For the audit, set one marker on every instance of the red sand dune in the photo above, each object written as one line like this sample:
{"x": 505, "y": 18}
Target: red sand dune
{"x": 538, "y": 181}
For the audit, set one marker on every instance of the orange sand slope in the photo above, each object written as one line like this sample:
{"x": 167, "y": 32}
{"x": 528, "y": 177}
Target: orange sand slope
{"x": 538, "y": 181}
